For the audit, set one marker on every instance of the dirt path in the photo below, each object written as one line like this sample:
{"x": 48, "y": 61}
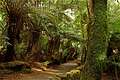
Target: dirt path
{"x": 39, "y": 74}
{"x": 48, "y": 74}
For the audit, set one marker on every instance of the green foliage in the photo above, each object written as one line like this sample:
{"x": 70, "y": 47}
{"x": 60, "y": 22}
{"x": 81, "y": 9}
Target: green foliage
{"x": 44, "y": 43}
{"x": 20, "y": 48}
{"x": 50, "y": 18}
{"x": 113, "y": 16}
{"x": 66, "y": 18}
{"x": 3, "y": 43}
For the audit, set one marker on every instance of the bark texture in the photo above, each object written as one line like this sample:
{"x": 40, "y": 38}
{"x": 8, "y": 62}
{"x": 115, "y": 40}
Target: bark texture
{"x": 97, "y": 39}
{"x": 14, "y": 27}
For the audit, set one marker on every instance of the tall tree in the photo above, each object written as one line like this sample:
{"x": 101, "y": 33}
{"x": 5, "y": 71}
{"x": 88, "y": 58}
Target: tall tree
{"x": 97, "y": 39}
{"x": 16, "y": 17}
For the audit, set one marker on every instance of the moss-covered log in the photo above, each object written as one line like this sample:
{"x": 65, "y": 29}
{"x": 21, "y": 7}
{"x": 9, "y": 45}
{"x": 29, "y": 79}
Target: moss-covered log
{"x": 15, "y": 66}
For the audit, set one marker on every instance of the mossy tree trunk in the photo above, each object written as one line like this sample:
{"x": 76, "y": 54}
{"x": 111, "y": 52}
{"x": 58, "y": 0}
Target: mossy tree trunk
{"x": 97, "y": 39}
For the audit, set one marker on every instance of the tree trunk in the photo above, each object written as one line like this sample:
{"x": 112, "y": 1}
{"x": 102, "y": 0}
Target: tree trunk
{"x": 33, "y": 49}
{"x": 83, "y": 21}
{"x": 11, "y": 34}
{"x": 53, "y": 45}
{"x": 35, "y": 46}
{"x": 97, "y": 39}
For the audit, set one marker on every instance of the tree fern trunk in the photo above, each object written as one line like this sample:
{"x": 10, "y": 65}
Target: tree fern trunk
{"x": 11, "y": 34}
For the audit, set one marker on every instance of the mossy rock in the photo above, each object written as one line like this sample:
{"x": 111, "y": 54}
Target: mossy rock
{"x": 71, "y": 75}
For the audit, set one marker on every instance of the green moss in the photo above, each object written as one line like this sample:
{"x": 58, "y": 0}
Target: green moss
{"x": 71, "y": 75}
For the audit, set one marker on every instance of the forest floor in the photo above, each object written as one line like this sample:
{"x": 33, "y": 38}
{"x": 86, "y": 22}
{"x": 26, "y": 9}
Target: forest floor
{"x": 49, "y": 73}
{"x": 39, "y": 74}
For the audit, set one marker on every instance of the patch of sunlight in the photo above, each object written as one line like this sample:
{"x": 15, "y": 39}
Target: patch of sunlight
{"x": 70, "y": 13}
{"x": 46, "y": 71}
{"x": 35, "y": 69}
{"x": 52, "y": 73}
{"x": 117, "y": 1}
{"x": 70, "y": 64}
{"x": 52, "y": 70}
{"x": 1, "y": 47}
{"x": 101, "y": 57}
{"x": 0, "y": 18}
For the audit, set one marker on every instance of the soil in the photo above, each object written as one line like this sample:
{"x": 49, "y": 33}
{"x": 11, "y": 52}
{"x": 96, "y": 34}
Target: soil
{"x": 49, "y": 73}
{"x": 38, "y": 74}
